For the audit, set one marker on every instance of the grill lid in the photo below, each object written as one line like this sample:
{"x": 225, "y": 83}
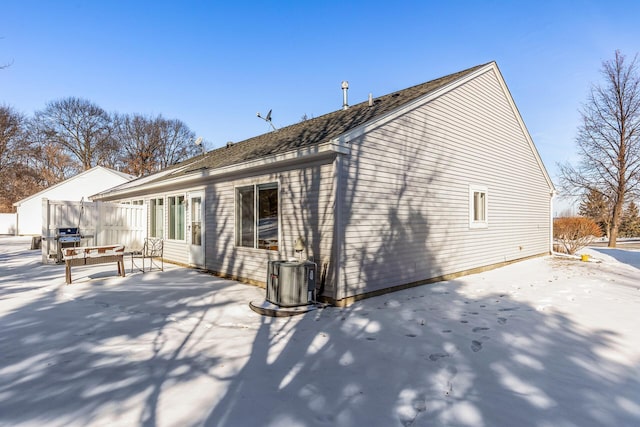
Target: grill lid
{"x": 67, "y": 231}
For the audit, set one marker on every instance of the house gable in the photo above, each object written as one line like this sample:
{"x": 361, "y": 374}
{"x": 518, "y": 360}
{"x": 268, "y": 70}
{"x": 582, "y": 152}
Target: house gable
{"x": 440, "y": 91}
{"x": 409, "y": 183}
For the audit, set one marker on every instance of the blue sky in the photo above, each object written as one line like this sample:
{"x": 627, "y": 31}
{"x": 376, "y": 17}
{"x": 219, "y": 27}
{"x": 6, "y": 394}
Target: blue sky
{"x": 215, "y": 64}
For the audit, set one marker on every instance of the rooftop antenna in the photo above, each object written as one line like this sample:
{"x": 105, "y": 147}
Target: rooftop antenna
{"x": 198, "y": 142}
{"x": 267, "y": 119}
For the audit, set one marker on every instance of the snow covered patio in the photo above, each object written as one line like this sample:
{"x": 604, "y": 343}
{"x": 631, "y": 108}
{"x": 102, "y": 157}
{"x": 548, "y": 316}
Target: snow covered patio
{"x": 545, "y": 342}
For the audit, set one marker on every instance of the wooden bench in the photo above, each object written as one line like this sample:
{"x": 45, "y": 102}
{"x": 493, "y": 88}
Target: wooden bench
{"x": 92, "y": 255}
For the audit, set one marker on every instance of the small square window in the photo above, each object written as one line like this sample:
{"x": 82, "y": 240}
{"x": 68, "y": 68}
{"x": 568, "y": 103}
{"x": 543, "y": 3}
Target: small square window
{"x": 478, "y": 207}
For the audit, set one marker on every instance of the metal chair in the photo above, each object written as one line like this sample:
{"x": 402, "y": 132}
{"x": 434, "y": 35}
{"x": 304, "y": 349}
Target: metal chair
{"x": 152, "y": 251}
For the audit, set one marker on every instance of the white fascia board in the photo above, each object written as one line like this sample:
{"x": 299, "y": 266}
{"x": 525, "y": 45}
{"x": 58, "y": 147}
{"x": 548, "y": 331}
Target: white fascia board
{"x": 138, "y": 182}
{"x": 305, "y": 153}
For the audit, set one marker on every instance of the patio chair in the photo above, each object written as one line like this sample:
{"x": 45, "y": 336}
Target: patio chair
{"x": 151, "y": 251}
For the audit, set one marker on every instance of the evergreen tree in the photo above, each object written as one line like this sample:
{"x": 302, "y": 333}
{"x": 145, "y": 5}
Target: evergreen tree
{"x": 630, "y": 221}
{"x": 594, "y": 206}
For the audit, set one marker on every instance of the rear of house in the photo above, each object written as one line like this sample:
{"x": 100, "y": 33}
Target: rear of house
{"x": 232, "y": 220}
{"x": 435, "y": 180}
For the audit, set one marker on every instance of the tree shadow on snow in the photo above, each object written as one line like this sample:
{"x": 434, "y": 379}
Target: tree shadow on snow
{"x": 631, "y": 258}
{"x": 71, "y": 355}
{"x": 426, "y": 356}
{"x": 430, "y": 356}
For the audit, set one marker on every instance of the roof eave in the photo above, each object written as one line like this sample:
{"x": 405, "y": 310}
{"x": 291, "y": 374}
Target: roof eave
{"x": 325, "y": 149}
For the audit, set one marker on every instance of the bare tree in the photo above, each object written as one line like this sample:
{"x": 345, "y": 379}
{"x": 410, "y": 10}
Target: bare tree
{"x": 150, "y": 144}
{"x": 10, "y": 137}
{"x": 80, "y": 127}
{"x": 176, "y": 142}
{"x": 53, "y": 161}
{"x": 18, "y": 177}
{"x": 139, "y": 141}
{"x": 11, "y": 131}
{"x": 609, "y": 140}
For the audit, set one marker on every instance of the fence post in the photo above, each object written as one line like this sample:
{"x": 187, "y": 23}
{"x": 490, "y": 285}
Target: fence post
{"x": 46, "y": 241}
{"x": 99, "y": 222}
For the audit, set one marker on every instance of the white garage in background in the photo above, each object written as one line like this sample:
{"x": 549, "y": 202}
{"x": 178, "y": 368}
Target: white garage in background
{"x": 83, "y": 185}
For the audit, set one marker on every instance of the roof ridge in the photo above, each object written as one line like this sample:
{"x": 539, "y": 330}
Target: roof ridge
{"x": 315, "y": 130}
{"x": 362, "y": 103}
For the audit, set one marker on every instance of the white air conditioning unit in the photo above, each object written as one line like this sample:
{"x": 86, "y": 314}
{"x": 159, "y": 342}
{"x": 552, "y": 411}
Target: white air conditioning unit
{"x": 291, "y": 283}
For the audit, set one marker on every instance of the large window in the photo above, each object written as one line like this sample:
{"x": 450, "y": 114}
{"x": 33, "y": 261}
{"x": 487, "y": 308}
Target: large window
{"x": 157, "y": 217}
{"x": 478, "y": 207}
{"x": 257, "y": 216}
{"x": 176, "y": 217}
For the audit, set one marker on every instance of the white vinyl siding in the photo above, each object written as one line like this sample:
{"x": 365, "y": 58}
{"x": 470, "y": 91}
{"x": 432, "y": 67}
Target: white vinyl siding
{"x": 305, "y": 210}
{"x": 406, "y": 212}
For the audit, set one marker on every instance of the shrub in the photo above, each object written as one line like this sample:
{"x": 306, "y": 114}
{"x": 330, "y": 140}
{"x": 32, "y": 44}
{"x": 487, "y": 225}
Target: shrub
{"x": 574, "y": 233}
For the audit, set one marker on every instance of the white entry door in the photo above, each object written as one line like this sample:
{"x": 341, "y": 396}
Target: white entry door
{"x": 195, "y": 229}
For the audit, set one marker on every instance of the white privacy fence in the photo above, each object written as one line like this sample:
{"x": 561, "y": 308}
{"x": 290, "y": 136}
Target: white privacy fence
{"x": 8, "y": 223}
{"x": 98, "y": 223}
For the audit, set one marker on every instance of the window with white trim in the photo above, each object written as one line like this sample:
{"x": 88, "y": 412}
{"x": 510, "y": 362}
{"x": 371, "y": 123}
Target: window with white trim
{"x": 478, "y": 207}
{"x": 257, "y": 220}
{"x": 156, "y": 206}
{"x": 176, "y": 207}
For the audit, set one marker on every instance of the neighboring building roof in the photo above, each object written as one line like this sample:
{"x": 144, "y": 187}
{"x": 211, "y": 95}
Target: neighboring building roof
{"x": 308, "y": 133}
{"x": 126, "y": 176}
{"x": 81, "y": 174}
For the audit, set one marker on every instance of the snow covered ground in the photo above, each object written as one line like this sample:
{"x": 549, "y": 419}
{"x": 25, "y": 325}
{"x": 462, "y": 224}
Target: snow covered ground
{"x": 547, "y": 342}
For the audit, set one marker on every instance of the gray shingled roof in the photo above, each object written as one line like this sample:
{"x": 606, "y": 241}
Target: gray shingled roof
{"x": 313, "y": 131}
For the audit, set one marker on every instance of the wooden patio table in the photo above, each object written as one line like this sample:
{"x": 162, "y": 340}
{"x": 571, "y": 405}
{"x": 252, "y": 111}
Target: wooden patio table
{"x": 92, "y": 255}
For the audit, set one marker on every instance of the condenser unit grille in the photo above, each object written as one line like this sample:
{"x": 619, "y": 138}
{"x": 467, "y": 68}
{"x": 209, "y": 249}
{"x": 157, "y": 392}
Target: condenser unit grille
{"x": 291, "y": 283}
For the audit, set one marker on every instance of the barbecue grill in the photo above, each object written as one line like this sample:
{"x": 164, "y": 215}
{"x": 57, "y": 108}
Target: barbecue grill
{"x": 67, "y": 237}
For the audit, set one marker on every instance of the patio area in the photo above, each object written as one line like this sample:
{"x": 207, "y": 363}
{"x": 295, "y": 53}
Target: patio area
{"x": 106, "y": 350}
{"x": 549, "y": 341}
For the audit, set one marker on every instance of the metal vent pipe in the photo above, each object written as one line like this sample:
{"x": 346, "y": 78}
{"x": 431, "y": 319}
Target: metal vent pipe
{"x": 345, "y": 101}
